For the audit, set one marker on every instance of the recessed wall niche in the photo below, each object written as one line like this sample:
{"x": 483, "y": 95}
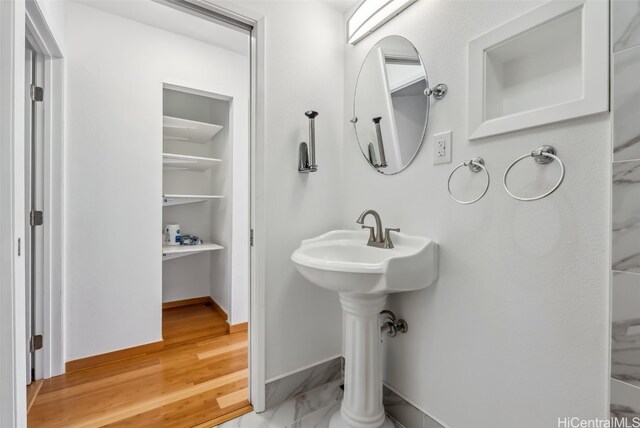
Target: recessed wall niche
{"x": 542, "y": 67}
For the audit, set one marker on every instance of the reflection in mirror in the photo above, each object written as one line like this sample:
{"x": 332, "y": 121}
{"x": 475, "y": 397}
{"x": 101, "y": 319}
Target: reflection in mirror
{"x": 390, "y": 107}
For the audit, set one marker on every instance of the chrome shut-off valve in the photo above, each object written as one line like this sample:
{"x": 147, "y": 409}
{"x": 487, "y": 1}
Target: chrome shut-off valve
{"x": 391, "y": 324}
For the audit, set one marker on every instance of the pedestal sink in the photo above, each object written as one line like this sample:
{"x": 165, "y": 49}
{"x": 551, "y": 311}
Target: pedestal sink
{"x": 341, "y": 261}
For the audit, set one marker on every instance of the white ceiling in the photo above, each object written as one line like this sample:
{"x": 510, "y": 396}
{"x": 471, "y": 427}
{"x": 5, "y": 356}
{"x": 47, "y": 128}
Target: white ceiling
{"x": 341, "y": 5}
{"x": 157, "y": 15}
{"x": 166, "y": 18}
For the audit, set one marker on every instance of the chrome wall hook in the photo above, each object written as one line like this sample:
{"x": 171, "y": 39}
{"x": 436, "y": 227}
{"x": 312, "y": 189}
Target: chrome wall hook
{"x": 307, "y": 154}
{"x": 438, "y": 92}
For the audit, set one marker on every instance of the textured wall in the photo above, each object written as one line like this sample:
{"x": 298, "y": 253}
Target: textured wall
{"x": 115, "y": 70}
{"x": 515, "y": 332}
{"x": 304, "y": 48}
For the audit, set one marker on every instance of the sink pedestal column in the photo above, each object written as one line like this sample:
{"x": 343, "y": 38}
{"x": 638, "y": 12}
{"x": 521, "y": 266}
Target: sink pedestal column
{"x": 362, "y": 403}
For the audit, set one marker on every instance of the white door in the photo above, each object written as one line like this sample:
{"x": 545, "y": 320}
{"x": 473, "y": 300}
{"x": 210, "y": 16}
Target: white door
{"x": 34, "y": 201}
{"x": 28, "y": 121}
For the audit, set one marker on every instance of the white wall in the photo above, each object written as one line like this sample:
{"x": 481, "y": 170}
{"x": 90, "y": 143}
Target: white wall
{"x": 115, "y": 71}
{"x": 240, "y": 205}
{"x": 54, "y": 13}
{"x": 303, "y": 71}
{"x": 515, "y": 332}
{"x": 409, "y": 118}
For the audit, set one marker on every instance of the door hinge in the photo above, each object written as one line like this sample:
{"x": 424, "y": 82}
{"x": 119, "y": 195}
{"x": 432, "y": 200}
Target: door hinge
{"x": 35, "y": 218}
{"x": 35, "y": 343}
{"x": 37, "y": 93}
{"x": 251, "y": 237}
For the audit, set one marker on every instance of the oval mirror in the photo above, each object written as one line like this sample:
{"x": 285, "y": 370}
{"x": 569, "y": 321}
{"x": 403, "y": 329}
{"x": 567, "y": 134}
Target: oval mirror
{"x": 390, "y": 109}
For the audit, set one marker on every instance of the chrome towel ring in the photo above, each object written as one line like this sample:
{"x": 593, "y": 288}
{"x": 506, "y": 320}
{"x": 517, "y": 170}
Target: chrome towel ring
{"x": 543, "y": 155}
{"x": 475, "y": 165}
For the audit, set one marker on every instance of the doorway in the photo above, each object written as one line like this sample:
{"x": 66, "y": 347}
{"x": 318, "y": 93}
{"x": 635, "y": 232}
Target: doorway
{"x": 117, "y": 155}
{"x": 42, "y": 169}
{"x": 55, "y": 215}
{"x": 33, "y": 210}
{"x": 33, "y": 198}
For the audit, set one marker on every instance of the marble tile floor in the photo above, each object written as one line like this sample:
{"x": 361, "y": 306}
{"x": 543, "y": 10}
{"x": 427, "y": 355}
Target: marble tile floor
{"x": 311, "y": 409}
{"x": 305, "y": 380}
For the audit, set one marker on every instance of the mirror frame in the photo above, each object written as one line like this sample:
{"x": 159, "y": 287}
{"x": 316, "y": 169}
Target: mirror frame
{"x": 355, "y": 95}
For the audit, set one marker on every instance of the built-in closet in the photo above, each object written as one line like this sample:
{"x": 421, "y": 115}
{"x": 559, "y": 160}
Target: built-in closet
{"x": 197, "y": 175}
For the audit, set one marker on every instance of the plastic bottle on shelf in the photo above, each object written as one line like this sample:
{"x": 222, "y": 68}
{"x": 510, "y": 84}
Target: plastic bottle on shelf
{"x": 172, "y": 234}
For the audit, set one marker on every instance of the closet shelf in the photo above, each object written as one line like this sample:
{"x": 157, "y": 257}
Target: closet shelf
{"x": 408, "y": 82}
{"x": 174, "y": 251}
{"x": 186, "y": 130}
{"x": 415, "y": 87}
{"x": 168, "y": 200}
{"x": 188, "y": 163}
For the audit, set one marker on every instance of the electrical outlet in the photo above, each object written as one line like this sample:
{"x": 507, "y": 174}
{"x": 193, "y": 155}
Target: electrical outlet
{"x": 442, "y": 148}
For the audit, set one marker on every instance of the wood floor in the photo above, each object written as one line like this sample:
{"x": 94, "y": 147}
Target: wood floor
{"x": 198, "y": 379}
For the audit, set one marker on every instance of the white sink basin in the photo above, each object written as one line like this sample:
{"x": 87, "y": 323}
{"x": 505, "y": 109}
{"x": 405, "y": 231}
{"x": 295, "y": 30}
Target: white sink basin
{"x": 341, "y": 261}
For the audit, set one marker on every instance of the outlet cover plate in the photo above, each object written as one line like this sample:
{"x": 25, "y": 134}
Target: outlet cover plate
{"x": 442, "y": 148}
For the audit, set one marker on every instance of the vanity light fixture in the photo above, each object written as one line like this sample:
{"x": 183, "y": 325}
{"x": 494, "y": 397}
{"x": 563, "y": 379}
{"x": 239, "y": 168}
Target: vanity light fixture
{"x": 371, "y": 15}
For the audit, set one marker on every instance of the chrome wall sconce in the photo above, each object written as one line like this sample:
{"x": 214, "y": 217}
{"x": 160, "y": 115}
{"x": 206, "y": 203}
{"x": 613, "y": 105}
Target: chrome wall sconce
{"x": 307, "y": 154}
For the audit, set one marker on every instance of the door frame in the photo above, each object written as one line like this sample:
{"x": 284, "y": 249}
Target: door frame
{"x": 29, "y": 117}
{"x": 13, "y": 17}
{"x": 12, "y": 274}
{"x": 50, "y": 314}
{"x": 235, "y": 13}
{"x": 258, "y": 203}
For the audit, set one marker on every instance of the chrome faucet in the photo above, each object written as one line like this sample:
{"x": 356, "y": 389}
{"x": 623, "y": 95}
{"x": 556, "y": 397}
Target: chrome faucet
{"x": 376, "y": 236}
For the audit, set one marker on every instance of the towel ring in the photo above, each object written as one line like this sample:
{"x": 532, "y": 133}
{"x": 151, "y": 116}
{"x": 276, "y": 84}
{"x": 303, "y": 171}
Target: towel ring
{"x": 475, "y": 165}
{"x": 543, "y": 155}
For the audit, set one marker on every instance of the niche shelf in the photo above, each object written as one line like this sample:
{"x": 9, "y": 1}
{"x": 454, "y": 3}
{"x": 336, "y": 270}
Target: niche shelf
{"x": 175, "y": 251}
{"x": 187, "y": 163}
{"x": 192, "y": 131}
{"x": 169, "y": 200}
{"x": 548, "y": 65}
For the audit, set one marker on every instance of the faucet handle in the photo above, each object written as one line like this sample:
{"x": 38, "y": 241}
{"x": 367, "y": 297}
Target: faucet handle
{"x": 372, "y": 233}
{"x": 387, "y": 236}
